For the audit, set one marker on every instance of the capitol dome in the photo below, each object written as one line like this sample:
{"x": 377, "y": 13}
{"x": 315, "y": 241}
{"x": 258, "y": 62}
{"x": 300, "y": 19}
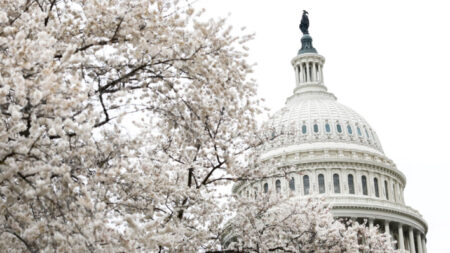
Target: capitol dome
{"x": 317, "y": 117}
{"x": 324, "y": 148}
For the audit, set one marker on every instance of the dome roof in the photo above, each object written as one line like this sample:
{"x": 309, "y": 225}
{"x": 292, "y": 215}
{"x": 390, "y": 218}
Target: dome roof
{"x": 318, "y": 118}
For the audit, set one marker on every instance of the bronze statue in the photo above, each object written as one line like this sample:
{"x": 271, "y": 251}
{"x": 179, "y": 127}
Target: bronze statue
{"x": 307, "y": 46}
{"x": 304, "y": 24}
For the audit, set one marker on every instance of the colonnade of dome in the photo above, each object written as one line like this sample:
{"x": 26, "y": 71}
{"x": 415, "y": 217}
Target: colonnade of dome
{"x": 331, "y": 182}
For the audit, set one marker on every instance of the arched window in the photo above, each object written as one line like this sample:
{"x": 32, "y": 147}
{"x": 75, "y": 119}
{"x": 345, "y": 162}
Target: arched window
{"x": 306, "y": 184}
{"x": 351, "y": 184}
{"x": 278, "y": 186}
{"x": 359, "y": 131}
{"x": 336, "y": 183}
{"x": 364, "y": 185}
{"x": 367, "y": 134}
{"x": 386, "y": 190}
{"x": 339, "y": 128}
{"x": 349, "y": 129}
{"x": 327, "y": 128}
{"x": 266, "y": 188}
{"x": 292, "y": 184}
{"x": 321, "y": 183}
{"x": 304, "y": 129}
{"x": 377, "y": 191}
{"x": 316, "y": 128}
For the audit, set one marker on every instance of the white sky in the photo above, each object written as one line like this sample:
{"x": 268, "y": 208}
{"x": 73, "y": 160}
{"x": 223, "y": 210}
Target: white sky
{"x": 387, "y": 60}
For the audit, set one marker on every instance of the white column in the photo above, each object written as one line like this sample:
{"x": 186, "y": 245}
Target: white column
{"x": 386, "y": 227}
{"x": 314, "y": 72}
{"x": 299, "y": 184}
{"x": 370, "y": 223}
{"x": 401, "y": 241}
{"x": 356, "y": 180}
{"x": 397, "y": 190}
{"x": 304, "y": 72}
{"x": 318, "y": 73}
{"x": 308, "y": 77}
{"x": 321, "y": 73}
{"x": 424, "y": 244}
{"x": 297, "y": 74}
{"x": 300, "y": 73}
{"x": 412, "y": 249}
{"x": 272, "y": 187}
{"x": 419, "y": 242}
{"x": 394, "y": 194}
{"x": 370, "y": 188}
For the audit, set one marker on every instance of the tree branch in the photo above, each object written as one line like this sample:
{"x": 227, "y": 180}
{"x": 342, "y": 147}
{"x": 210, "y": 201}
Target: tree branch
{"x": 49, "y": 11}
{"x": 105, "y": 111}
{"x": 25, "y": 242}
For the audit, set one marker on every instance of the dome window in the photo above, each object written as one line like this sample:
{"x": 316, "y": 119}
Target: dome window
{"x": 377, "y": 191}
{"x": 316, "y": 128}
{"x": 364, "y": 185}
{"x": 292, "y": 184}
{"x": 359, "y": 131}
{"x": 306, "y": 184}
{"x": 349, "y": 129}
{"x": 336, "y": 183}
{"x": 327, "y": 128}
{"x": 367, "y": 134}
{"x": 321, "y": 183}
{"x": 351, "y": 184}
{"x": 266, "y": 188}
{"x": 339, "y": 128}
{"x": 278, "y": 186}
{"x": 304, "y": 129}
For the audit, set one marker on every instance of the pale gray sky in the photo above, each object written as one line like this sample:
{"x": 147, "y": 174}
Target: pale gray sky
{"x": 387, "y": 60}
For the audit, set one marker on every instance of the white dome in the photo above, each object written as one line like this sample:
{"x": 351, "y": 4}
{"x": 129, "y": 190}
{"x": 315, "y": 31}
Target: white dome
{"x": 315, "y": 116}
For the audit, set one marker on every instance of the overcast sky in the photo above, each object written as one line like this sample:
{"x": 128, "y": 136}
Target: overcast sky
{"x": 387, "y": 60}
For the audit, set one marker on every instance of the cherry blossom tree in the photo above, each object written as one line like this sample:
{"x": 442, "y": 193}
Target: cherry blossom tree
{"x": 121, "y": 124}
{"x": 268, "y": 224}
